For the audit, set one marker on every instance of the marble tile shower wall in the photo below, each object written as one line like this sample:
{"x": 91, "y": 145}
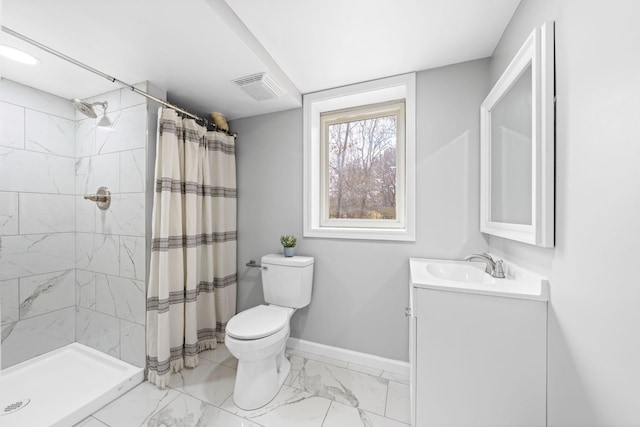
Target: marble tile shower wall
{"x": 110, "y": 244}
{"x": 69, "y": 271}
{"x": 37, "y": 227}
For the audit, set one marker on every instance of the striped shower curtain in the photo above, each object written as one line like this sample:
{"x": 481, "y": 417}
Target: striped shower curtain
{"x": 192, "y": 280}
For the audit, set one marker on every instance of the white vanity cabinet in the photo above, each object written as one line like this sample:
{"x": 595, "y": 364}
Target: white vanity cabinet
{"x": 478, "y": 353}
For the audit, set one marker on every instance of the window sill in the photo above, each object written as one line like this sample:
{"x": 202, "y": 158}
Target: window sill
{"x": 401, "y": 235}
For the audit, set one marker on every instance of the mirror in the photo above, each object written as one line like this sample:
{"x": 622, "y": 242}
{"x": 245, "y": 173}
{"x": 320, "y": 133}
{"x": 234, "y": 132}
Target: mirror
{"x": 517, "y": 146}
{"x": 511, "y": 140}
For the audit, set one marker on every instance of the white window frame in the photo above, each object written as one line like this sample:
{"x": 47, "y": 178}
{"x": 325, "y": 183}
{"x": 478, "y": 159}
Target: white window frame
{"x": 358, "y": 95}
{"x": 394, "y": 108}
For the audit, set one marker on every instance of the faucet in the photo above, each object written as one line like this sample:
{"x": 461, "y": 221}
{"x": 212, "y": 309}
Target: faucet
{"x": 494, "y": 268}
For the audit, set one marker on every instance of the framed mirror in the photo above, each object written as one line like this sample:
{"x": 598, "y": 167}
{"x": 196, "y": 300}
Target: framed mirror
{"x": 517, "y": 146}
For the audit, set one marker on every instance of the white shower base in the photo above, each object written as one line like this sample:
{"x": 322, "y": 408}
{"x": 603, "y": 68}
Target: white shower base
{"x": 63, "y": 386}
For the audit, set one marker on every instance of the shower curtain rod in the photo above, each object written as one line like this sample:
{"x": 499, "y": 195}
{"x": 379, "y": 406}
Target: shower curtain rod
{"x": 111, "y": 78}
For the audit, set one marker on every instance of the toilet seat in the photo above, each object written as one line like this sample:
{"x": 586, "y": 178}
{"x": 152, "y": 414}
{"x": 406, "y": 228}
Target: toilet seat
{"x": 258, "y": 322}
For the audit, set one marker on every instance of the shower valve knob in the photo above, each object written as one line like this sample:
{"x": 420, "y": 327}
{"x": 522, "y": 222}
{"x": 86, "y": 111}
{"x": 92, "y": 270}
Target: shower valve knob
{"x": 96, "y": 198}
{"x": 102, "y": 198}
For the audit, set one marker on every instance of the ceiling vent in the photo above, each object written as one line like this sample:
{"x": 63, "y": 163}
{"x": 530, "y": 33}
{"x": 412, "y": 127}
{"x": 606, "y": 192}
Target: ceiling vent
{"x": 260, "y": 86}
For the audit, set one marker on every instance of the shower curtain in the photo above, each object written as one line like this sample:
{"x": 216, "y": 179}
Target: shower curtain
{"x": 192, "y": 280}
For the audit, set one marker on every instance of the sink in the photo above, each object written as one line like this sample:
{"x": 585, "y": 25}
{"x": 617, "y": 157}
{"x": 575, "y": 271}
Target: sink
{"x": 459, "y": 272}
{"x": 470, "y": 277}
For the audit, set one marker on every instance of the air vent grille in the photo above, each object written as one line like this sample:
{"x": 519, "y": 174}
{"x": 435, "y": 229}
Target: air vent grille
{"x": 260, "y": 86}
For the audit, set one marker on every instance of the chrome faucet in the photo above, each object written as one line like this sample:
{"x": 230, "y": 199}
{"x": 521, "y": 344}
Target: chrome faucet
{"x": 494, "y": 268}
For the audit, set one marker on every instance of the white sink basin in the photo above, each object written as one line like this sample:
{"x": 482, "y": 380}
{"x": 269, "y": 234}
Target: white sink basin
{"x": 459, "y": 272}
{"x": 470, "y": 277}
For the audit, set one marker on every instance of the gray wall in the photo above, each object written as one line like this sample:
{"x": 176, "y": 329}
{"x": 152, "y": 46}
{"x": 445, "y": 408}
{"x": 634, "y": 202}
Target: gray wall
{"x": 361, "y": 287}
{"x": 594, "y": 344}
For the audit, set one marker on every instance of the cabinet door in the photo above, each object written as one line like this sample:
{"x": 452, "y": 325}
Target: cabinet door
{"x": 481, "y": 360}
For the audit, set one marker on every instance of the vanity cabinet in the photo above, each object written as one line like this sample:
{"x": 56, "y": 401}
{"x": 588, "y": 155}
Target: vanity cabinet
{"x": 477, "y": 359}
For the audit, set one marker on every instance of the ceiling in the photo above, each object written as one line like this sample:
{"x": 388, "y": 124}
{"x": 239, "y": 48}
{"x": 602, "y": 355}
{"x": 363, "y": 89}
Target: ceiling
{"x": 195, "y": 48}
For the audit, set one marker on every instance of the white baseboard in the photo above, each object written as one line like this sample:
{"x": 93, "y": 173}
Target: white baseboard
{"x": 364, "y": 359}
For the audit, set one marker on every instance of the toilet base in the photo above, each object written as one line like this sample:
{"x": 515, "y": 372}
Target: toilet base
{"x": 262, "y": 367}
{"x": 258, "y": 382}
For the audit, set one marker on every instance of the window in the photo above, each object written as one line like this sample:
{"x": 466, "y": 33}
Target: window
{"x": 359, "y": 169}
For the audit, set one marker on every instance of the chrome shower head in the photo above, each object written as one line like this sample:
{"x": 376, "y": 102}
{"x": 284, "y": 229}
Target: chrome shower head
{"x": 88, "y": 110}
{"x": 84, "y": 107}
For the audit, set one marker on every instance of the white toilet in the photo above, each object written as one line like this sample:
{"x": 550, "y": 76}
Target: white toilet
{"x": 257, "y": 337}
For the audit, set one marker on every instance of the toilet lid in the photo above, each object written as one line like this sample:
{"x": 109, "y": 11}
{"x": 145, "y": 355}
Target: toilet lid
{"x": 257, "y": 322}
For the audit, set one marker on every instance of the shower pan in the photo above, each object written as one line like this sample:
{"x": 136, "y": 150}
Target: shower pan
{"x": 63, "y": 387}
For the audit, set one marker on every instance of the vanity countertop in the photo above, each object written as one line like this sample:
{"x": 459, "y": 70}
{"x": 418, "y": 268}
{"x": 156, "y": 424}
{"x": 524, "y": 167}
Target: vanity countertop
{"x": 519, "y": 283}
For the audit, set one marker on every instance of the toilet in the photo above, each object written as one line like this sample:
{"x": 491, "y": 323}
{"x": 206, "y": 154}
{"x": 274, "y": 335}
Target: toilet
{"x": 257, "y": 337}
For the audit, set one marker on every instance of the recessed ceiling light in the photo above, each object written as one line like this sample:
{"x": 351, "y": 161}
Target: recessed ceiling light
{"x": 18, "y": 55}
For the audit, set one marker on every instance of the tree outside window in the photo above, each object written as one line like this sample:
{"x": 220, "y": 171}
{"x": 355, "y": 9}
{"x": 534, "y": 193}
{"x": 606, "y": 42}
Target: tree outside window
{"x": 362, "y": 168}
{"x": 361, "y": 155}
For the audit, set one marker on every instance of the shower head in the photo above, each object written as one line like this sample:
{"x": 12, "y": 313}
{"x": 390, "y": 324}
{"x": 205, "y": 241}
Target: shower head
{"x": 85, "y": 108}
{"x": 88, "y": 110}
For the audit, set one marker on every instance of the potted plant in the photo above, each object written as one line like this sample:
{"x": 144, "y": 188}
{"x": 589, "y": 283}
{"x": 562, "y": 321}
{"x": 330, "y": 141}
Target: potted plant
{"x": 288, "y": 241}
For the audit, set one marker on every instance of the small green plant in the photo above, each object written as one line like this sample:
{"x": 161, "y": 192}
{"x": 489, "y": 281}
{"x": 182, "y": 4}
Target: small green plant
{"x": 288, "y": 241}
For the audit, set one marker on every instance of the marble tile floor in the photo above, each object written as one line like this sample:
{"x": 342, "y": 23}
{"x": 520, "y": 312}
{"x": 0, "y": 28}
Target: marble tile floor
{"x": 319, "y": 392}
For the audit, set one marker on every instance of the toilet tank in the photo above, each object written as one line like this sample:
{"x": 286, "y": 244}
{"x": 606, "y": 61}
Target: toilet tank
{"x": 287, "y": 281}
